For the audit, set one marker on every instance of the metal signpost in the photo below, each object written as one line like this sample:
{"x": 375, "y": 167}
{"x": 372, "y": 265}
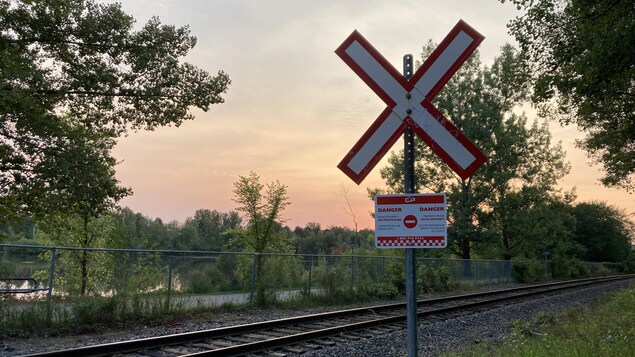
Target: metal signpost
{"x": 409, "y": 109}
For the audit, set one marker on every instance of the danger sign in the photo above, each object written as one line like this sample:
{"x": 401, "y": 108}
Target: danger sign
{"x": 411, "y": 221}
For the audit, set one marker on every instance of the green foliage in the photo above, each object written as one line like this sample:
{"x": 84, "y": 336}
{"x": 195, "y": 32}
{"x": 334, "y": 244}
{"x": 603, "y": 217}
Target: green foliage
{"x": 529, "y": 271}
{"x": 211, "y": 226}
{"x": 263, "y": 232}
{"x": 396, "y": 275}
{"x": 80, "y": 271}
{"x": 607, "y": 329}
{"x": 383, "y": 291}
{"x": 224, "y": 273}
{"x": 603, "y": 269}
{"x": 262, "y": 211}
{"x": 333, "y": 279}
{"x": 569, "y": 267}
{"x": 433, "y": 278}
{"x": 629, "y": 263}
{"x": 201, "y": 281}
{"x": 605, "y": 232}
{"x": 82, "y": 315}
{"x": 22, "y": 322}
{"x": 19, "y": 231}
{"x": 483, "y": 103}
{"x": 74, "y": 76}
{"x": 583, "y": 69}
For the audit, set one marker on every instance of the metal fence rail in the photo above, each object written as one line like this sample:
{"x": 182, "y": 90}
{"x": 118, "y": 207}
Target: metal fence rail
{"x": 201, "y": 277}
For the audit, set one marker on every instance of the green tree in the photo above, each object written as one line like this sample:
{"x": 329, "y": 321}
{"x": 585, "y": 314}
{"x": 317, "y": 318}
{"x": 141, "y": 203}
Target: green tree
{"x": 84, "y": 272}
{"x": 212, "y": 225}
{"x": 78, "y": 183}
{"x": 533, "y": 224}
{"x": 262, "y": 233}
{"x": 262, "y": 212}
{"x": 74, "y": 76}
{"x": 481, "y": 102}
{"x": 604, "y": 231}
{"x": 584, "y": 68}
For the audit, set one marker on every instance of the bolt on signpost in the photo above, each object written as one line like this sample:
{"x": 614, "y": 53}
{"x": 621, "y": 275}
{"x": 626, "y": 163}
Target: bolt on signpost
{"x": 411, "y": 220}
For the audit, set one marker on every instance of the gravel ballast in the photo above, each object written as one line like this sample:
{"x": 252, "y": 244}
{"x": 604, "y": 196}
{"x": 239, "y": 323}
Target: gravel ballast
{"x": 460, "y": 333}
{"x": 454, "y": 334}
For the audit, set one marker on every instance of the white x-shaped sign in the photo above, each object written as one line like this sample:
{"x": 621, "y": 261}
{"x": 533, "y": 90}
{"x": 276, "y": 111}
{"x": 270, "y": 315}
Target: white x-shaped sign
{"x": 408, "y": 103}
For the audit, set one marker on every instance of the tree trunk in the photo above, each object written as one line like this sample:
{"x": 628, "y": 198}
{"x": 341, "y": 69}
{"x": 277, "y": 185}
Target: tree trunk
{"x": 84, "y": 264}
{"x": 84, "y": 260}
{"x": 507, "y": 253}
{"x": 464, "y": 232}
{"x": 467, "y": 264}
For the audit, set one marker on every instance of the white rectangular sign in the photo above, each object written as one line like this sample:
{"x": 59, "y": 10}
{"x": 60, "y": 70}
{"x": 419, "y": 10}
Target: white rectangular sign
{"x": 411, "y": 221}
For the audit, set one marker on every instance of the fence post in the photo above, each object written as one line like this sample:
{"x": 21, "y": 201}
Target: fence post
{"x": 49, "y": 295}
{"x": 383, "y": 269}
{"x": 352, "y": 272}
{"x": 253, "y": 279}
{"x": 310, "y": 270}
{"x": 170, "y": 265}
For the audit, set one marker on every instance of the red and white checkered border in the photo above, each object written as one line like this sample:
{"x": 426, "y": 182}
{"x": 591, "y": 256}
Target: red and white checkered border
{"x": 397, "y": 242}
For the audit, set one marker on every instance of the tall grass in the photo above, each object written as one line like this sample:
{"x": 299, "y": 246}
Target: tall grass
{"x": 606, "y": 329}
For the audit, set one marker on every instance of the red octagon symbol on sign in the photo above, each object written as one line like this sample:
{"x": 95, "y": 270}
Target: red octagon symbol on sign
{"x": 410, "y": 221}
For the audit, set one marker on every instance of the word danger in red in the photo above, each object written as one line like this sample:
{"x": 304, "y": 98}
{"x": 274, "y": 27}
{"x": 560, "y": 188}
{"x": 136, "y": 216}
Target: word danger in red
{"x": 411, "y": 221}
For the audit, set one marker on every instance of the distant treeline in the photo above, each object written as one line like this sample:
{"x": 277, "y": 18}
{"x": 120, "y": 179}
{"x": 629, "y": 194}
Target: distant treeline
{"x": 594, "y": 232}
{"x": 207, "y": 230}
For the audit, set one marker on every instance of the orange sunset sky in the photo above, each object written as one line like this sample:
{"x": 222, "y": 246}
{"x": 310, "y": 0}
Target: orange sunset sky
{"x": 294, "y": 109}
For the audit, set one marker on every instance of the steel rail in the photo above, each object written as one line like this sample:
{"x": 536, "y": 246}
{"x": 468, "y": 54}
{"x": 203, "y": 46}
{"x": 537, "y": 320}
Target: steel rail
{"x": 194, "y": 336}
{"x": 259, "y": 346}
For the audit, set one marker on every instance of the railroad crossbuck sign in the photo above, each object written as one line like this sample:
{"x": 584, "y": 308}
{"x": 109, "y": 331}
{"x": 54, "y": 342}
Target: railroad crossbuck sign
{"x": 408, "y": 103}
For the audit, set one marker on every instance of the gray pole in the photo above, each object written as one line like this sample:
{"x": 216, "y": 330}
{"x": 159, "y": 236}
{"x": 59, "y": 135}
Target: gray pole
{"x": 411, "y": 262}
{"x": 170, "y": 266}
{"x": 253, "y": 279}
{"x": 49, "y": 295}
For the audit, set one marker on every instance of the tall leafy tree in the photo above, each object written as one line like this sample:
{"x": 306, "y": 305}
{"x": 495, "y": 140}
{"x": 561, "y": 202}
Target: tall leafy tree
{"x": 262, "y": 208}
{"x": 212, "y": 225}
{"x": 584, "y": 65}
{"x": 536, "y": 225}
{"x": 76, "y": 184}
{"x": 482, "y": 102}
{"x": 74, "y": 76}
{"x": 605, "y": 232}
{"x": 84, "y": 271}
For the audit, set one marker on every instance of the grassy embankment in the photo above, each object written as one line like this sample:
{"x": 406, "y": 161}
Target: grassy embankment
{"x": 607, "y": 328}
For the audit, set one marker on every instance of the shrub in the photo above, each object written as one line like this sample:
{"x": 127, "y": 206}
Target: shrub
{"x": 527, "y": 271}
{"x": 431, "y": 279}
{"x": 201, "y": 281}
{"x": 568, "y": 267}
{"x": 331, "y": 278}
{"x": 396, "y": 276}
{"x": 628, "y": 265}
{"x": 383, "y": 291}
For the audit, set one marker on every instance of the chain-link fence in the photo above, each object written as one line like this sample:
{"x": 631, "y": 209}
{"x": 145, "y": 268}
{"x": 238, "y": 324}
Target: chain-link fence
{"x": 212, "y": 277}
{"x": 57, "y": 275}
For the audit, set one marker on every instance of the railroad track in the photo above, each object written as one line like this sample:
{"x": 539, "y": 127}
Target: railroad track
{"x": 300, "y": 334}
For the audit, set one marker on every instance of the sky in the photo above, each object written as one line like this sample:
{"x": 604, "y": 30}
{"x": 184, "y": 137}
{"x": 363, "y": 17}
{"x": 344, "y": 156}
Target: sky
{"x": 294, "y": 109}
